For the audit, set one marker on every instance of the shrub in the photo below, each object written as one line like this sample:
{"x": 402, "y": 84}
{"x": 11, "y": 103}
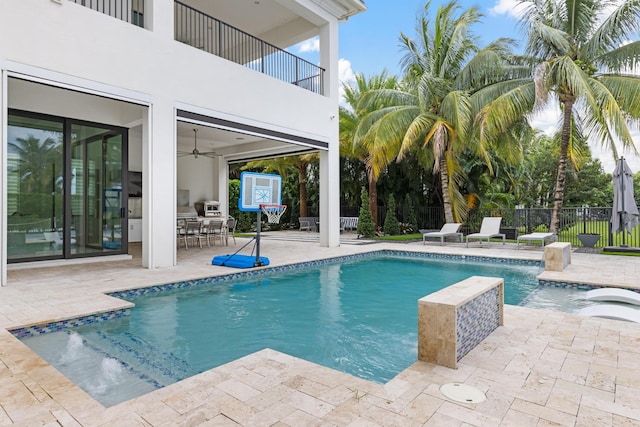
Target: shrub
{"x": 410, "y": 222}
{"x": 391, "y": 226}
{"x": 365, "y": 227}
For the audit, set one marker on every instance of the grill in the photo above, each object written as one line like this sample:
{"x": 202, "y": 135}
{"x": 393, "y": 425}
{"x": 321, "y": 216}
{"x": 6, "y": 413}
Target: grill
{"x": 186, "y": 212}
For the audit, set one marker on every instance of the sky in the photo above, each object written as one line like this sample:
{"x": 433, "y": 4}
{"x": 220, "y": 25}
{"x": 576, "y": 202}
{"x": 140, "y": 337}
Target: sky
{"x": 369, "y": 43}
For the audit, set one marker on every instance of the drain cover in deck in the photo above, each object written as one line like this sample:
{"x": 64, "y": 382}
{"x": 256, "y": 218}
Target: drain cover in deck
{"x": 462, "y": 393}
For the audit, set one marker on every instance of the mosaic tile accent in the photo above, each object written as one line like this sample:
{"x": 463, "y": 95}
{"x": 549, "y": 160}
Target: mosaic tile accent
{"x": 475, "y": 320}
{"x": 130, "y": 293}
{"x": 60, "y": 325}
{"x": 578, "y": 286}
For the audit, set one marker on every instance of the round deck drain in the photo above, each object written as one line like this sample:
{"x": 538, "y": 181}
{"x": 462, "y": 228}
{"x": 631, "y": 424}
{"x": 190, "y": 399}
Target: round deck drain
{"x": 463, "y": 393}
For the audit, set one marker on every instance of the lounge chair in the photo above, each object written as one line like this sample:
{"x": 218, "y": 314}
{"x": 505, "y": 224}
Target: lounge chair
{"x": 449, "y": 229}
{"x": 614, "y": 295}
{"x": 489, "y": 228}
{"x": 535, "y": 237}
{"x": 612, "y": 311}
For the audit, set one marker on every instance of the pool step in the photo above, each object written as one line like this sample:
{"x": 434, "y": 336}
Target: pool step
{"x": 144, "y": 359}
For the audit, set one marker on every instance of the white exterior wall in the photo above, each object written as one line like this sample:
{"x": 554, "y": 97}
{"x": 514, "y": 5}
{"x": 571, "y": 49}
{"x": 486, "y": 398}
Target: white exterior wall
{"x": 58, "y": 43}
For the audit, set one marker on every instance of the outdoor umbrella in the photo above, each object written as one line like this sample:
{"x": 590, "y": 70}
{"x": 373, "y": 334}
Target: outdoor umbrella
{"x": 625, "y": 211}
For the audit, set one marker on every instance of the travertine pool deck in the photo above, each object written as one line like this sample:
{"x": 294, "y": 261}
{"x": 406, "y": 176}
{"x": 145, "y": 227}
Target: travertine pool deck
{"x": 541, "y": 368}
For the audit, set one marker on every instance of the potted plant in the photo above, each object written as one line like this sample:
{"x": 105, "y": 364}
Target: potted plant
{"x": 588, "y": 240}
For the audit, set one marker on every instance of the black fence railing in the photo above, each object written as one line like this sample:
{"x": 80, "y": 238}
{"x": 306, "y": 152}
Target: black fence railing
{"x": 204, "y": 32}
{"x": 131, "y": 11}
{"x": 574, "y": 223}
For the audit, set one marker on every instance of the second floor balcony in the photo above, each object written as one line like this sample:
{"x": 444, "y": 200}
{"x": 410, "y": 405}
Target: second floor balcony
{"x": 207, "y": 33}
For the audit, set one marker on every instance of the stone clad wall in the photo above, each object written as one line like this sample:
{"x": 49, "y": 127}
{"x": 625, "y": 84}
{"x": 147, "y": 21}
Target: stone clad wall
{"x": 452, "y": 321}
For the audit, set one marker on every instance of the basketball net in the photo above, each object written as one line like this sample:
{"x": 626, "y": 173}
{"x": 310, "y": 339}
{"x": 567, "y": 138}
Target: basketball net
{"x": 273, "y": 212}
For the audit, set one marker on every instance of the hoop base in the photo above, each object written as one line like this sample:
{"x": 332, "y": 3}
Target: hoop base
{"x": 273, "y": 212}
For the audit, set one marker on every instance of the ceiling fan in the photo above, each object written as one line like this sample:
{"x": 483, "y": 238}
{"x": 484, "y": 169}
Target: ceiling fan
{"x": 195, "y": 152}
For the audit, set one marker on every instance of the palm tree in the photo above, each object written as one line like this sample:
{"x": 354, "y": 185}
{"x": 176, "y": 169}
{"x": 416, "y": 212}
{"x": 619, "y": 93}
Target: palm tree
{"x": 584, "y": 62}
{"x": 350, "y": 120}
{"x": 434, "y": 109}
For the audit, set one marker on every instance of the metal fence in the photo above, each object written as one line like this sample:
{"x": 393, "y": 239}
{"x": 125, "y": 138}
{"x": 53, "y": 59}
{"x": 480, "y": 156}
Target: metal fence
{"x": 574, "y": 223}
{"x": 131, "y": 11}
{"x": 207, "y": 33}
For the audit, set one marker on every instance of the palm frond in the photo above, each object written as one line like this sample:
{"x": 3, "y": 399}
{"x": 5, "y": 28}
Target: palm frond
{"x": 497, "y": 116}
{"x": 566, "y": 77}
{"x": 381, "y": 98}
{"x": 624, "y": 58}
{"x": 456, "y": 110}
{"x": 626, "y": 90}
{"x": 385, "y": 136}
{"x": 610, "y": 115}
{"x": 545, "y": 41}
{"x": 417, "y": 131}
{"x": 615, "y": 30}
{"x": 490, "y": 93}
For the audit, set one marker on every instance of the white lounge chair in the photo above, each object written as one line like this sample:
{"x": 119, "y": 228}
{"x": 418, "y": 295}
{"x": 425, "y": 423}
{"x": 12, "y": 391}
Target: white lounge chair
{"x": 612, "y": 311}
{"x": 449, "y": 229}
{"x": 534, "y": 237}
{"x": 614, "y": 295}
{"x": 489, "y": 228}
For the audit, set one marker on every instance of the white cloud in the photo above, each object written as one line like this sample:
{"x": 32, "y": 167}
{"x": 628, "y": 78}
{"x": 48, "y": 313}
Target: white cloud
{"x": 345, "y": 75}
{"x": 311, "y": 45}
{"x": 507, "y": 7}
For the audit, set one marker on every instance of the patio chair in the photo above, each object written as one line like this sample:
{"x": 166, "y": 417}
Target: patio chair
{"x": 193, "y": 231}
{"x": 535, "y": 237}
{"x": 489, "y": 228}
{"x": 231, "y": 229}
{"x": 215, "y": 231}
{"x": 449, "y": 229}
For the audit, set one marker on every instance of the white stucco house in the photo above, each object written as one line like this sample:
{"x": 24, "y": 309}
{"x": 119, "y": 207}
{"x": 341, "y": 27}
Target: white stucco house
{"x": 98, "y": 97}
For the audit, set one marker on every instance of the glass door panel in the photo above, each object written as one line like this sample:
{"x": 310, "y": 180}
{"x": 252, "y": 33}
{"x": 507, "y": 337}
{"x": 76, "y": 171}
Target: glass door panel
{"x": 96, "y": 190}
{"x": 35, "y": 205}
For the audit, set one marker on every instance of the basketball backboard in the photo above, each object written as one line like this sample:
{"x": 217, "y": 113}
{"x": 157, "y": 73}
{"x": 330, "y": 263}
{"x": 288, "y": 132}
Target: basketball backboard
{"x": 259, "y": 189}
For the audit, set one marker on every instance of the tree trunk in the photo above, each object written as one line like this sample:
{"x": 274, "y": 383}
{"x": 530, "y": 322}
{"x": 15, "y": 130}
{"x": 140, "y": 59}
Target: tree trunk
{"x": 302, "y": 187}
{"x": 558, "y": 197}
{"x": 373, "y": 197}
{"x": 444, "y": 182}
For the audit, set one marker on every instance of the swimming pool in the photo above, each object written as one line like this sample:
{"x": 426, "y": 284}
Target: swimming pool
{"x": 357, "y": 315}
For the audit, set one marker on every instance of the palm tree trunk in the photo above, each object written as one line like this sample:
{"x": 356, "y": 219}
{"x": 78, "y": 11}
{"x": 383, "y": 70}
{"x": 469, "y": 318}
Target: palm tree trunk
{"x": 302, "y": 189}
{"x": 558, "y": 197}
{"x": 373, "y": 197}
{"x": 444, "y": 182}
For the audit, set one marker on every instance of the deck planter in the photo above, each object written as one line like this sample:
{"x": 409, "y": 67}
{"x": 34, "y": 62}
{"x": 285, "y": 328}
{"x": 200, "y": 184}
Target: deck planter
{"x": 588, "y": 240}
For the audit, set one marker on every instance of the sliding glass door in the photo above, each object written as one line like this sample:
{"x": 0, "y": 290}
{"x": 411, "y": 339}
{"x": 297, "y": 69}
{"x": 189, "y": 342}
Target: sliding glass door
{"x": 97, "y": 204}
{"x": 35, "y": 209}
{"x": 65, "y": 181}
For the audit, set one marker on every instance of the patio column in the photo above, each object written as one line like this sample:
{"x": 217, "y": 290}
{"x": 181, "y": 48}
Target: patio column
{"x": 222, "y": 184}
{"x": 330, "y": 160}
{"x": 159, "y": 185}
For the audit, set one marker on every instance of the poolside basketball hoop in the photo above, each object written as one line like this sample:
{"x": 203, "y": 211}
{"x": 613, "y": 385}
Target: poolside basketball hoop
{"x": 273, "y": 212}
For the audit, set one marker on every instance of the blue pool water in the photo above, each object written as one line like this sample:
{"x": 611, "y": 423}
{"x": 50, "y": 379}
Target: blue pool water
{"x": 358, "y": 316}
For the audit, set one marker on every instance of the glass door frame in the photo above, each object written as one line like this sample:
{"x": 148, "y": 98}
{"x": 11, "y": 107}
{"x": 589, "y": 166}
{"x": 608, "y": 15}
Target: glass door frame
{"x": 67, "y": 199}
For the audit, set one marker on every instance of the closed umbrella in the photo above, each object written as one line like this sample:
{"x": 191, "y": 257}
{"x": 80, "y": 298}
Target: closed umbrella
{"x": 625, "y": 211}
